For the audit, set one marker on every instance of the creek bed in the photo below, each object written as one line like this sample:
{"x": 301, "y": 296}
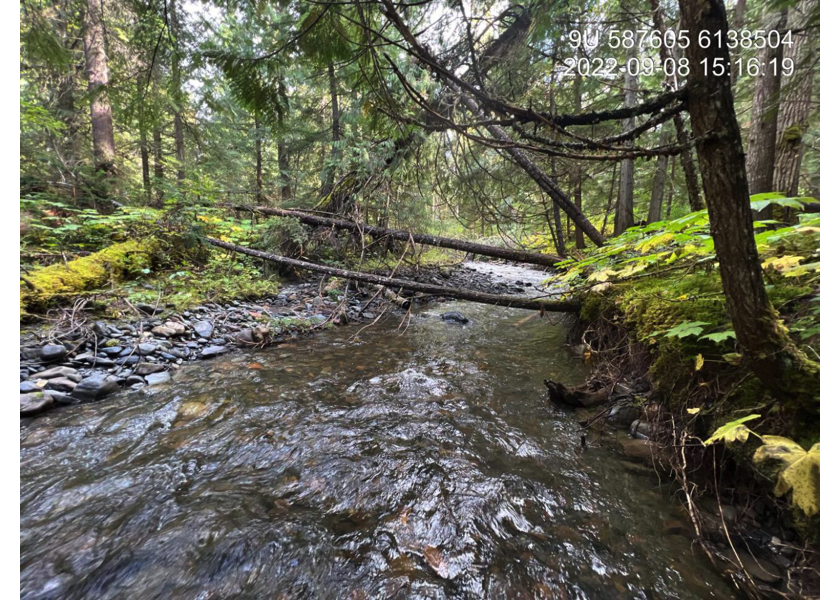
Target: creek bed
{"x": 424, "y": 462}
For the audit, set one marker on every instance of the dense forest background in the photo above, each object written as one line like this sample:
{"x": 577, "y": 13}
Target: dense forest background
{"x": 165, "y": 102}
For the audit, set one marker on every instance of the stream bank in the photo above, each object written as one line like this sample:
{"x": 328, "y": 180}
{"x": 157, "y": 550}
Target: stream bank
{"x": 86, "y": 359}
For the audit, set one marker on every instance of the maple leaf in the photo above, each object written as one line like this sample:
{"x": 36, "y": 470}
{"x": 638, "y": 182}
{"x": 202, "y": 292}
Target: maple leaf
{"x": 799, "y": 472}
{"x": 734, "y": 431}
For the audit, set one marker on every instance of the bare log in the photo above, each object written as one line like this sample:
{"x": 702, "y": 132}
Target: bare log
{"x": 404, "y": 284}
{"x": 394, "y": 297}
{"x": 523, "y": 256}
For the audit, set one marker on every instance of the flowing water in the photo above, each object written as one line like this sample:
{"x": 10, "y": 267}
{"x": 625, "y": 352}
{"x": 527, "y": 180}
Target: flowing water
{"x": 420, "y": 463}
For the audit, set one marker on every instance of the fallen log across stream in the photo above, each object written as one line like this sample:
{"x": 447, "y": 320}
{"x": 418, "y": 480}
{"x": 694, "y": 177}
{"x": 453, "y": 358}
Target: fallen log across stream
{"x": 522, "y": 256}
{"x": 405, "y": 284}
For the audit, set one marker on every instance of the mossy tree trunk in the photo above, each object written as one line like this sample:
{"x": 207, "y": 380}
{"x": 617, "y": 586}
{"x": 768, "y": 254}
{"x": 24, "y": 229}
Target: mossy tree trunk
{"x": 764, "y": 341}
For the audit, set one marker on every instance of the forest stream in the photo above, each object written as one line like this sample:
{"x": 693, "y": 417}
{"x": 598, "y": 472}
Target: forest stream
{"x": 423, "y": 461}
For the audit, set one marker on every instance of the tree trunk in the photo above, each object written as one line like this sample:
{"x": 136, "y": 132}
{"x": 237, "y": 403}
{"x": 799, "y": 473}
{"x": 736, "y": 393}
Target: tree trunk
{"x": 404, "y": 284}
{"x": 540, "y": 178}
{"x": 660, "y": 174}
{"x": 609, "y": 200}
{"x": 96, "y": 63}
{"x": 761, "y": 144}
{"x": 144, "y": 164}
{"x": 695, "y": 202}
{"x": 577, "y": 172}
{"x": 157, "y": 143}
{"x": 534, "y": 258}
{"x": 670, "y": 191}
{"x": 796, "y": 105}
{"x": 283, "y": 170}
{"x": 626, "y": 180}
{"x": 580, "y": 241}
{"x": 335, "y": 152}
{"x": 259, "y": 157}
{"x": 559, "y": 245}
{"x": 143, "y": 131}
{"x": 738, "y": 14}
{"x": 65, "y": 99}
{"x": 177, "y": 92}
{"x": 557, "y": 232}
{"x": 769, "y": 351}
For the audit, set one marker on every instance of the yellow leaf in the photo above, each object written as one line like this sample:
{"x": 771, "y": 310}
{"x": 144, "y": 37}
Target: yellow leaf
{"x": 602, "y": 275}
{"x": 698, "y": 362}
{"x": 734, "y": 431}
{"x": 799, "y": 472}
{"x": 657, "y": 240}
{"x": 692, "y": 411}
{"x": 632, "y": 270}
{"x": 782, "y": 263}
{"x": 602, "y": 287}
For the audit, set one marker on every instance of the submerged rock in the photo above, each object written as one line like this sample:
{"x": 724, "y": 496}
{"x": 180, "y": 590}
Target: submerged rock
{"x": 211, "y": 351}
{"x": 455, "y": 317}
{"x": 638, "y": 449}
{"x": 757, "y": 568}
{"x": 158, "y": 378}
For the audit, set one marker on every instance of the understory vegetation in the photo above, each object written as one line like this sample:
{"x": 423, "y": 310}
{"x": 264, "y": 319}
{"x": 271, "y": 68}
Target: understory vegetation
{"x": 654, "y": 308}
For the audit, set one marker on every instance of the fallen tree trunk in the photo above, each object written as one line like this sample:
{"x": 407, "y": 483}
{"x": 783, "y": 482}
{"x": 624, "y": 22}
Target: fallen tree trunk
{"x": 426, "y": 288}
{"x": 523, "y": 256}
